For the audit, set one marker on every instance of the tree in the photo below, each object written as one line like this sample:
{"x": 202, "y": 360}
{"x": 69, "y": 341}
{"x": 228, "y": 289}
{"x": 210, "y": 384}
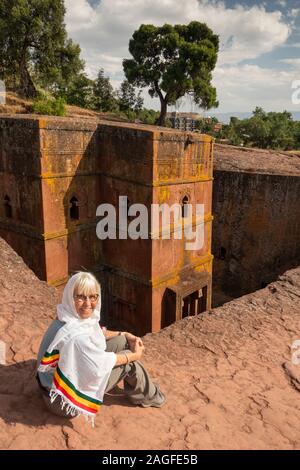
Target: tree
{"x": 265, "y": 130}
{"x": 282, "y": 130}
{"x": 148, "y": 116}
{"x": 174, "y": 61}
{"x": 127, "y": 97}
{"x": 139, "y": 102}
{"x": 34, "y": 45}
{"x": 259, "y": 112}
{"x": 208, "y": 125}
{"x": 296, "y": 129}
{"x": 104, "y": 97}
{"x": 80, "y": 91}
{"x": 67, "y": 68}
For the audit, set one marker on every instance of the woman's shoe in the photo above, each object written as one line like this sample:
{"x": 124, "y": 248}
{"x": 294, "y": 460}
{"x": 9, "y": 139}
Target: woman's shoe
{"x": 157, "y": 401}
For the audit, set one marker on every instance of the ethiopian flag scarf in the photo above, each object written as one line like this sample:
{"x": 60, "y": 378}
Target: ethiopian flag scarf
{"x": 77, "y": 355}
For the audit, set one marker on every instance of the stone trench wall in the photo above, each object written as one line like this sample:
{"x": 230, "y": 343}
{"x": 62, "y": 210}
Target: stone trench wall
{"x": 256, "y": 229}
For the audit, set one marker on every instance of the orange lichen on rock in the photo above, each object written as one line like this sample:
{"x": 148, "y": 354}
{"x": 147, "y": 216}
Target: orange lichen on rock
{"x": 57, "y": 172}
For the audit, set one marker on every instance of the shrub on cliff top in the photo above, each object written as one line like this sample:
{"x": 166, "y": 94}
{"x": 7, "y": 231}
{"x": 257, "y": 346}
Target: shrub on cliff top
{"x": 50, "y": 106}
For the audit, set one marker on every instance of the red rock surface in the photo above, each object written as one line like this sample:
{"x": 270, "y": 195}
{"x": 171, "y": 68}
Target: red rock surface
{"x": 227, "y": 375}
{"x": 252, "y": 160}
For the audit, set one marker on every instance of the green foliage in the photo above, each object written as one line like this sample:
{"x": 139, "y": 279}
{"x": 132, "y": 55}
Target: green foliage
{"x": 128, "y": 99}
{"x": 34, "y": 47}
{"x": 206, "y": 126}
{"x": 50, "y": 107}
{"x": 67, "y": 69}
{"x": 144, "y": 116}
{"x": 126, "y": 96}
{"x": 174, "y": 61}
{"x": 264, "y": 130}
{"x": 80, "y": 92}
{"x": 234, "y": 137}
{"x": 297, "y": 134}
{"x": 139, "y": 102}
{"x": 130, "y": 114}
{"x": 148, "y": 116}
{"x": 104, "y": 98}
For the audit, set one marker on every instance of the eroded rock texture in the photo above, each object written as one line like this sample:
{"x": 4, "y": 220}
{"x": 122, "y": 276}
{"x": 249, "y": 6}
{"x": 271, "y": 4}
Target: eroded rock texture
{"x": 256, "y": 228}
{"x": 227, "y": 374}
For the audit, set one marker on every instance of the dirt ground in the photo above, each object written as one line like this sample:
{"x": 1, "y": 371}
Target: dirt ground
{"x": 227, "y": 374}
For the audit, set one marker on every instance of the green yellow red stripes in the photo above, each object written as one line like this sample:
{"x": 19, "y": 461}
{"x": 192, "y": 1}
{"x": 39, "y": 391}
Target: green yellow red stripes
{"x": 50, "y": 358}
{"x": 73, "y": 395}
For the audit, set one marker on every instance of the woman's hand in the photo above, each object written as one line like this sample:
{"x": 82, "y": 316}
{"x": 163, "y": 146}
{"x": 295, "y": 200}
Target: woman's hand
{"x": 138, "y": 348}
{"x": 131, "y": 340}
{"x": 129, "y": 336}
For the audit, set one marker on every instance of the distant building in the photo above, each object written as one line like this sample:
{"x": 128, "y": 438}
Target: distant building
{"x": 184, "y": 121}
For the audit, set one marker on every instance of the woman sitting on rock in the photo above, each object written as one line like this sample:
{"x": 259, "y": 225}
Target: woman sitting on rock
{"x": 78, "y": 361}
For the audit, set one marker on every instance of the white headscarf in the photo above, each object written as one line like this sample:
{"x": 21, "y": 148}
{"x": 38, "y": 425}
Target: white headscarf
{"x": 67, "y": 313}
{"x": 78, "y": 354}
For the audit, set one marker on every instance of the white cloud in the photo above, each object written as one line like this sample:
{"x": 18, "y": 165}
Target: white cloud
{"x": 79, "y": 15}
{"x": 281, "y": 3}
{"x": 244, "y": 87}
{"x": 256, "y": 32}
{"x": 294, "y": 13}
{"x": 294, "y": 62}
{"x": 103, "y": 32}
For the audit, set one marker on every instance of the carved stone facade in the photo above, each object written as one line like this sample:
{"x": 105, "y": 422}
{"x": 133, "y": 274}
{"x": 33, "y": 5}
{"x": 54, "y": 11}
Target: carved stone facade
{"x": 55, "y": 172}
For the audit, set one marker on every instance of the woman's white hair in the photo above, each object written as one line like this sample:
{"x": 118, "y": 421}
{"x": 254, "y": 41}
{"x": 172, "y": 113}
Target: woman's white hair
{"x": 86, "y": 284}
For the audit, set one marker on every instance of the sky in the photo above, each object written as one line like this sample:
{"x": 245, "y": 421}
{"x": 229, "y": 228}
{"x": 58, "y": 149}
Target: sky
{"x": 259, "y": 54}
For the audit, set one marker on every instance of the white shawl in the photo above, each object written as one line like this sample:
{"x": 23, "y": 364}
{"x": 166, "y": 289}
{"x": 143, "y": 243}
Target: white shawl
{"x": 78, "y": 355}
